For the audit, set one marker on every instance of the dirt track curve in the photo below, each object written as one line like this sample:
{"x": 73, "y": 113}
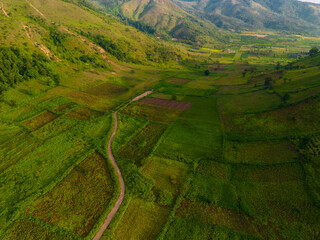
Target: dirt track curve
{"x": 122, "y": 186}
{"x": 115, "y": 165}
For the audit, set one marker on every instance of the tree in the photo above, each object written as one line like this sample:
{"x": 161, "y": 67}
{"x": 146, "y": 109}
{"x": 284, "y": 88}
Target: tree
{"x": 285, "y": 97}
{"x": 313, "y": 51}
{"x": 206, "y": 72}
{"x": 268, "y": 81}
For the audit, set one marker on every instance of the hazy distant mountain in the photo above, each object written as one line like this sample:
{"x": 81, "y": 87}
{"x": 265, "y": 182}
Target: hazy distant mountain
{"x": 284, "y": 15}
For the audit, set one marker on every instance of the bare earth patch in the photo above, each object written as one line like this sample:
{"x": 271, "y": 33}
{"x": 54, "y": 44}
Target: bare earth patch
{"x": 179, "y": 105}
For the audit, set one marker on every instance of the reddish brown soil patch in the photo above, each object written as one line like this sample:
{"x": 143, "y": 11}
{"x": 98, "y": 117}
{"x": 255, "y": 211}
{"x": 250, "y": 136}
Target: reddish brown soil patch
{"x": 81, "y": 114}
{"x": 107, "y": 90}
{"x": 179, "y": 81}
{"x": 179, "y": 105}
{"x": 40, "y": 120}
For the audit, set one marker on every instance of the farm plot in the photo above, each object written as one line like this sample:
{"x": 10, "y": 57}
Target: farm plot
{"x": 81, "y": 114}
{"x": 27, "y": 229}
{"x": 214, "y": 169}
{"x": 91, "y": 101}
{"x": 77, "y": 201}
{"x": 213, "y": 215}
{"x": 145, "y": 221}
{"x": 249, "y": 102}
{"x": 183, "y": 90}
{"x": 54, "y": 128}
{"x": 302, "y": 118}
{"x": 168, "y": 175}
{"x": 152, "y": 112}
{"x": 65, "y": 107}
{"x": 107, "y": 90}
{"x": 189, "y": 229}
{"x": 40, "y": 120}
{"x": 213, "y": 191}
{"x": 196, "y": 134}
{"x": 142, "y": 144}
{"x": 15, "y": 148}
{"x": 313, "y": 145}
{"x": 178, "y": 81}
{"x": 45, "y": 164}
{"x": 267, "y": 173}
{"x": 161, "y": 96}
{"x": 21, "y": 113}
{"x": 127, "y": 127}
{"x": 178, "y": 105}
{"x": 260, "y": 152}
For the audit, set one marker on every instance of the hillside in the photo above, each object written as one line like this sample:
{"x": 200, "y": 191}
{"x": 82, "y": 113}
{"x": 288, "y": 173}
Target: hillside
{"x": 165, "y": 18}
{"x": 287, "y": 15}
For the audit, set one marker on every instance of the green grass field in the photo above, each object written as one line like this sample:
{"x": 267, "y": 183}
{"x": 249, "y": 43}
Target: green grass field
{"x": 226, "y": 147}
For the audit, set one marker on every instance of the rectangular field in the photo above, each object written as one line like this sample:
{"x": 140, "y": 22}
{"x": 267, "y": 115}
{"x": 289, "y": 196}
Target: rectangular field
{"x": 141, "y": 145}
{"x": 40, "y": 120}
{"x": 107, "y": 90}
{"x": 145, "y": 221}
{"x": 178, "y": 105}
{"x": 168, "y": 175}
{"x": 260, "y": 152}
{"x": 196, "y": 134}
{"x": 83, "y": 194}
{"x": 152, "y": 112}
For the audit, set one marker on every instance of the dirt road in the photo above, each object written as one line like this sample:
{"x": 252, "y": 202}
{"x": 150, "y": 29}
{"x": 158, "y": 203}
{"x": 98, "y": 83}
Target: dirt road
{"x": 122, "y": 186}
{"x": 141, "y": 96}
{"x": 115, "y": 165}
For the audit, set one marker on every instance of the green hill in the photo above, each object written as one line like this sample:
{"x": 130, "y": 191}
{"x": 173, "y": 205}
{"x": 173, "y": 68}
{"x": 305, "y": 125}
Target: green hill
{"x": 164, "y": 17}
{"x": 287, "y": 15}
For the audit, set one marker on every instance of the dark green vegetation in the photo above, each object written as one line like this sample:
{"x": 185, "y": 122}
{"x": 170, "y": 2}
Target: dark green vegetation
{"x": 226, "y": 147}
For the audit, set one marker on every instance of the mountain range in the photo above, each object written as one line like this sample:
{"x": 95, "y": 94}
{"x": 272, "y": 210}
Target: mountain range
{"x": 181, "y": 18}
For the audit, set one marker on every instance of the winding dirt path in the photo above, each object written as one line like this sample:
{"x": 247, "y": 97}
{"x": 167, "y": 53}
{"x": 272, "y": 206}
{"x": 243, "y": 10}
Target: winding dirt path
{"x": 115, "y": 165}
{"x": 122, "y": 186}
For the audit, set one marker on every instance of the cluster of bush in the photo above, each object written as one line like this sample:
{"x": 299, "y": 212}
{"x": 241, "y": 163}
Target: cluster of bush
{"x": 17, "y": 66}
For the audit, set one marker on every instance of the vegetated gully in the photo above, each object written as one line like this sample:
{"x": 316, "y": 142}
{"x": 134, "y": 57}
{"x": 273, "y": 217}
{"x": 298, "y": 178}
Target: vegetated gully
{"x": 116, "y": 207}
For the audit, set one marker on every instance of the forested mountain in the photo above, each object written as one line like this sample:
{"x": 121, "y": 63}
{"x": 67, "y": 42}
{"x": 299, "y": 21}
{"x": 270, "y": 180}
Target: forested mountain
{"x": 284, "y": 15}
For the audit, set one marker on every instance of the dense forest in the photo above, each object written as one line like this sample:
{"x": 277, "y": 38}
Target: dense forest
{"x": 17, "y": 66}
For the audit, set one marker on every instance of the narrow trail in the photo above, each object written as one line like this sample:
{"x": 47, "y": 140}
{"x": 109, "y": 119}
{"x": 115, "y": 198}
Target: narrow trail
{"x": 4, "y": 11}
{"x": 116, "y": 207}
{"x": 122, "y": 186}
{"x": 42, "y": 15}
